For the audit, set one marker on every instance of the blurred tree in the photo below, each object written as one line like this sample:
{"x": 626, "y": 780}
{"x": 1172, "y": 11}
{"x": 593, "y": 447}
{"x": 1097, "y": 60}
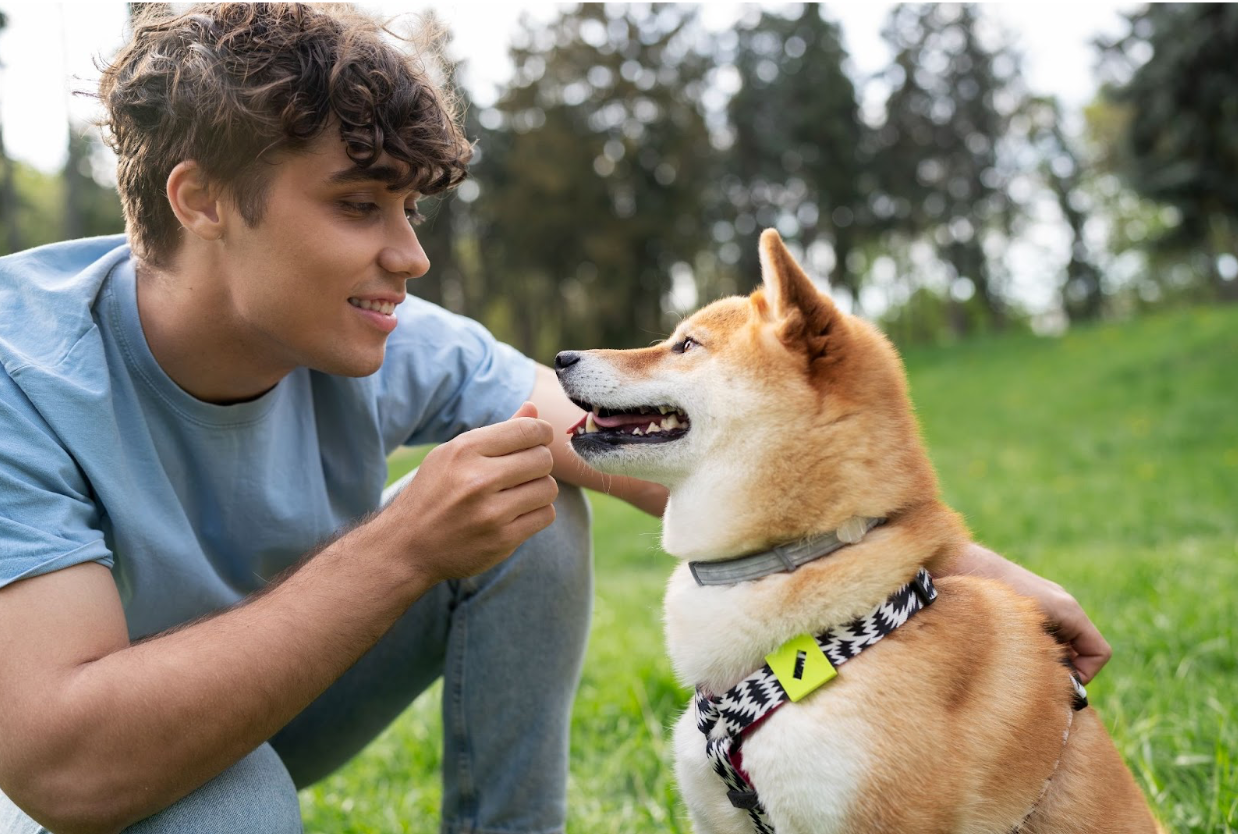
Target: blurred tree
{"x": 1140, "y": 251}
{"x": 594, "y": 165}
{"x": 1175, "y": 75}
{"x": 1064, "y": 168}
{"x": 96, "y": 207}
{"x": 439, "y": 234}
{"x": 76, "y": 175}
{"x": 955, "y": 85}
{"x": 9, "y": 206}
{"x": 796, "y": 160}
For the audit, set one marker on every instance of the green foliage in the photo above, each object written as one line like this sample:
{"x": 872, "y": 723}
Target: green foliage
{"x": 591, "y": 175}
{"x": 1106, "y": 460}
{"x": 40, "y": 201}
{"x": 1180, "y": 143}
{"x": 796, "y": 161}
{"x": 1064, "y": 170}
{"x": 956, "y": 84}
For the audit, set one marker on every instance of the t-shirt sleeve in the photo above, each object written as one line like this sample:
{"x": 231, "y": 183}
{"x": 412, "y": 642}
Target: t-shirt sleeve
{"x": 48, "y": 519}
{"x": 445, "y": 374}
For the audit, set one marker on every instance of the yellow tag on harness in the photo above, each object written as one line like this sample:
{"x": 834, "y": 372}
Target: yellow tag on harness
{"x": 800, "y": 666}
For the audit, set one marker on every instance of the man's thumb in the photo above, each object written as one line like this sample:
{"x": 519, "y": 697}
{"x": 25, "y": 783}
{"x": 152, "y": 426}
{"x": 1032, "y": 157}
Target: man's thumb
{"x": 526, "y": 410}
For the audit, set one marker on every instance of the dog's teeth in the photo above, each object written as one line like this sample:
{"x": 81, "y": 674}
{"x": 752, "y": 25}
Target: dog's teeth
{"x": 652, "y": 428}
{"x": 671, "y": 422}
{"x": 580, "y": 430}
{"x": 590, "y": 425}
{"x": 636, "y": 431}
{"x": 662, "y": 409}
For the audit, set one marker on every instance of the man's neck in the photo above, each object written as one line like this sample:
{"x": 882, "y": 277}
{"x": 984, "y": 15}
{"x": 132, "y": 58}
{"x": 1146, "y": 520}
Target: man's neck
{"x": 195, "y": 336}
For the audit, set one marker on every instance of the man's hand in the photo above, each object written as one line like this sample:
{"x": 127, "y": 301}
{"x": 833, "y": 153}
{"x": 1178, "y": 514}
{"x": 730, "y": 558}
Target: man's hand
{"x": 476, "y": 498}
{"x": 1090, "y": 651}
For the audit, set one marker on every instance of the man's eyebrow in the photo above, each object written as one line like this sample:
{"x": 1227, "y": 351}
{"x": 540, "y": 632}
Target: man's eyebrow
{"x": 375, "y": 173}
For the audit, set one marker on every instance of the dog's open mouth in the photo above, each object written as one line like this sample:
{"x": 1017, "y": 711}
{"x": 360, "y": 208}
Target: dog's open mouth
{"x": 645, "y": 424}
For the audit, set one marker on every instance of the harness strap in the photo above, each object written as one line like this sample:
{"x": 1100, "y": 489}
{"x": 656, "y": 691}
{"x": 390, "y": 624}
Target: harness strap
{"x": 725, "y": 719}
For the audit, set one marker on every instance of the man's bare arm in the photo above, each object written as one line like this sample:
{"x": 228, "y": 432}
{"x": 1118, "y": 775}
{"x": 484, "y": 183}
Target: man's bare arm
{"x": 99, "y": 733}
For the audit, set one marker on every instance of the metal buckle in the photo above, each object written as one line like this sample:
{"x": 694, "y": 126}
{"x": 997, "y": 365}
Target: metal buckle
{"x": 781, "y": 551}
{"x": 744, "y": 800}
{"x": 1080, "y": 700}
{"x": 923, "y": 588}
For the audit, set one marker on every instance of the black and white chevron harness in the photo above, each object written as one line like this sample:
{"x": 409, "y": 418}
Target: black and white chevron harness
{"x": 801, "y": 665}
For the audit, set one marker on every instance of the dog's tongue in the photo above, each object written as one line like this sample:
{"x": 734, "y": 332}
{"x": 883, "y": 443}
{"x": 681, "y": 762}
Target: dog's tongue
{"x": 615, "y": 421}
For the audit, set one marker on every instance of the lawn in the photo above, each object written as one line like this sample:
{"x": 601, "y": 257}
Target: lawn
{"x": 1106, "y": 460}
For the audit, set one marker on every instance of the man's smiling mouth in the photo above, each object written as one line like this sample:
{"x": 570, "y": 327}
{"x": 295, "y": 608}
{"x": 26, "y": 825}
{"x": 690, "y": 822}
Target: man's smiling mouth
{"x": 642, "y": 424}
{"x": 387, "y": 308}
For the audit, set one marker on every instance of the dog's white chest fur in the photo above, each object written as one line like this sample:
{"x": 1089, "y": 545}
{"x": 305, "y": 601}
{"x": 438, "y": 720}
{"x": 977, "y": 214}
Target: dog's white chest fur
{"x": 806, "y": 772}
{"x": 806, "y": 760}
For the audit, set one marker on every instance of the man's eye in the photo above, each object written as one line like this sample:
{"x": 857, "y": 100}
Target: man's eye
{"x": 413, "y": 216}
{"x": 684, "y": 345}
{"x": 358, "y": 208}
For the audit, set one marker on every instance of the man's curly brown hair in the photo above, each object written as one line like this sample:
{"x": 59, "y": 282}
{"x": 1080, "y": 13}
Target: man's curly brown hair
{"x": 233, "y": 85}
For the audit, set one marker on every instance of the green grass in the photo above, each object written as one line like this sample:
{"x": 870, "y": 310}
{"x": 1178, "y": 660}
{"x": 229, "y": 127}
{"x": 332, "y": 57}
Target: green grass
{"x": 1106, "y": 460}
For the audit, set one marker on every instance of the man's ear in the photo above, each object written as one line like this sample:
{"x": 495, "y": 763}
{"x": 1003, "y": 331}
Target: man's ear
{"x": 195, "y": 201}
{"x": 805, "y": 315}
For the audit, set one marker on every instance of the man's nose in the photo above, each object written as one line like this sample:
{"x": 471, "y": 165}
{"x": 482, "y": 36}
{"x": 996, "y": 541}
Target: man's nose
{"x": 566, "y": 359}
{"x": 403, "y": 254}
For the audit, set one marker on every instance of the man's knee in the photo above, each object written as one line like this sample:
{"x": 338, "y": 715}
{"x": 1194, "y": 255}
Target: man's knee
{"x": 573, "y": 518}
{"x": 254, "y": 796}
{"x": 562, "y": 555}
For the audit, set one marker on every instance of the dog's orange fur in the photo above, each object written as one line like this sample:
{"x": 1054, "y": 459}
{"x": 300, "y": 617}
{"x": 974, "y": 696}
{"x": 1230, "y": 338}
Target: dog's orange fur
{"x": 964, "y": 708}
{"x": 996, "y": 735}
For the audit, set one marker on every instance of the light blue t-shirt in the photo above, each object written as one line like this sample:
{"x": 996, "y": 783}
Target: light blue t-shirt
{"x": 192, "y": 505}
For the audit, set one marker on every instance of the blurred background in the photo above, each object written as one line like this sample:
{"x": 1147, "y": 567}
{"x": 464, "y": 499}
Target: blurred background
{"x": 949, "y": 170}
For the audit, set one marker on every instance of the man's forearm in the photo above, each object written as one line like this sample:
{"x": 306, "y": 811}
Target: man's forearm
{"x": 143, "y": 726}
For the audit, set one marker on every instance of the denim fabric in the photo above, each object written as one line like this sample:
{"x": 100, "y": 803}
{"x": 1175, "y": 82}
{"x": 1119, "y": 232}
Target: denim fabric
{"x": 254, "y": 796}
{"x": 509, "y": 646}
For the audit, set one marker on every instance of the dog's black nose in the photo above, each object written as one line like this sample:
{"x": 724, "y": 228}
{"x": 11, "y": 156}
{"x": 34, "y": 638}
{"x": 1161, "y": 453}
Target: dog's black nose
{"x": 566, "y": 359}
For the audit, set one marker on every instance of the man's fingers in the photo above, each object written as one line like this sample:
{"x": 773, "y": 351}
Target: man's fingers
{"x": 514, "y": 435}
{"x": 520, "y": 467}
{"x": 1092, "y": 652}
{"x": 527, "y": 409}
{"x": 529, "y": 496}
{"x": 534, "y": 522}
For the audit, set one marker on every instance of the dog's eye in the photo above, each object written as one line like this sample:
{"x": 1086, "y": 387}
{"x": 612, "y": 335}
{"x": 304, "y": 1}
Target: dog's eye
{"x": 683, "y": 345}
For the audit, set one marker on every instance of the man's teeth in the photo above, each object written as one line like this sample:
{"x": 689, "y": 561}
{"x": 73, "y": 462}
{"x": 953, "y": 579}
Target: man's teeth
{"x": 384, "y": 307}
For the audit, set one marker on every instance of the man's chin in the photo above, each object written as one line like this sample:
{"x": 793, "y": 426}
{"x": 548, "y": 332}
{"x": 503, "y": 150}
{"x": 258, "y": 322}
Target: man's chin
{"x": 359, "y": 365}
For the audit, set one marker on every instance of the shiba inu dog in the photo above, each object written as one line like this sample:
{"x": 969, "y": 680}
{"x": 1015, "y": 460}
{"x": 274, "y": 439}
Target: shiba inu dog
{"x": 783, "y": 429}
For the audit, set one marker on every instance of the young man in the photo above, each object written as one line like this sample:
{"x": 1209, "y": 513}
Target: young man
{"x": 191, "y": 410}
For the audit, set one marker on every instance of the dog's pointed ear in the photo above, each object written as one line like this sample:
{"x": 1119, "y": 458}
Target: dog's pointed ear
{"x": 805, "y": 314}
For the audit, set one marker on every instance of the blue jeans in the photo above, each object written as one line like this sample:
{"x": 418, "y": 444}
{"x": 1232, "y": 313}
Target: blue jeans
{"x": 508, "y": 644}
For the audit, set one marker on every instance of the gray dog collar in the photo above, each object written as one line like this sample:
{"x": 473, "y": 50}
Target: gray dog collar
{"x": 781, "y": 559}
